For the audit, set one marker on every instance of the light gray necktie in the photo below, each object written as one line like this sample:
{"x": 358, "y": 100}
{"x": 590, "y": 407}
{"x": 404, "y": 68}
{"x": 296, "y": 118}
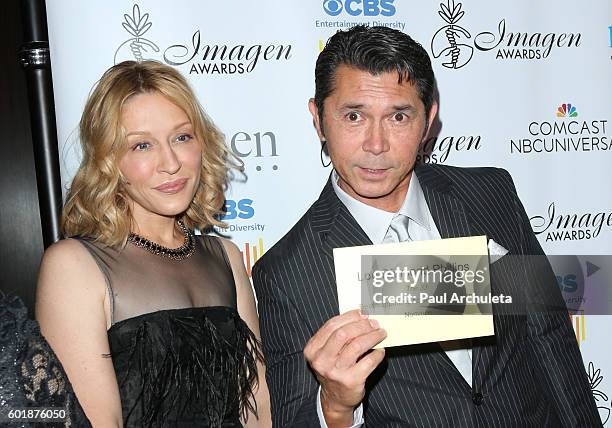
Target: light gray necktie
{"x": 458, "y": 351}
{"x": 398, "y": 229}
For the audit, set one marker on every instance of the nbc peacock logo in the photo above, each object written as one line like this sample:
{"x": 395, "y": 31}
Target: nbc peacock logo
{"x": 567, "y": 110}
{"x": 447, "y": 40}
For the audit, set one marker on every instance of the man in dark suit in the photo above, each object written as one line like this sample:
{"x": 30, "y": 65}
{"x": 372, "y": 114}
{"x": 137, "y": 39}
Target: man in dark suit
{"x": 372, "y": 108}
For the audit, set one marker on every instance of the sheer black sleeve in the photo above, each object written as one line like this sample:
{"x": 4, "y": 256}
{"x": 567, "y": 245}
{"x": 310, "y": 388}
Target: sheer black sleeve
{"x": 31, "y": 375}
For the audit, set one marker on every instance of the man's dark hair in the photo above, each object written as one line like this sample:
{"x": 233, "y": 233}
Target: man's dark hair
{"x": 375, "y": 50}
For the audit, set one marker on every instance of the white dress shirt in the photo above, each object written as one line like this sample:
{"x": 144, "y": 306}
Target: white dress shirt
{"x": 421, "y": 226}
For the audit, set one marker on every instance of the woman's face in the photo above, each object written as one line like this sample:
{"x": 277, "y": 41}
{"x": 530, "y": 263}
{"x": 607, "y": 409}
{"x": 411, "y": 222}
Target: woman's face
{"x": 162, "y": 159}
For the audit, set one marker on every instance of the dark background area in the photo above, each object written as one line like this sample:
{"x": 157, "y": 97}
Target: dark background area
{"x": 21, "y": 244}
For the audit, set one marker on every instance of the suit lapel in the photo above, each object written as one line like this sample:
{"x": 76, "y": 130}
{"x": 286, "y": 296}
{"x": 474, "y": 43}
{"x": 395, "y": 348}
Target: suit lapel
{"x": 449, "y": 214}
{"x": 332, "y": 227}
{"x": 333, "y": 223}
{"x": 446, "y": 209}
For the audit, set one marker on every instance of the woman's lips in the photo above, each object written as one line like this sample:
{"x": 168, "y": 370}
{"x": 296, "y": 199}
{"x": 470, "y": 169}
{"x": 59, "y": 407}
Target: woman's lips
{"x": 171, "y": 187}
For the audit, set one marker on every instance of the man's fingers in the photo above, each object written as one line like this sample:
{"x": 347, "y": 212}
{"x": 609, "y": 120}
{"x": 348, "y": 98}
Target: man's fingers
{"x": 322, "y": 336}
{"x": 359, "y": 346}
{"x": 368, "y": 363}
{"x": 338, "y": 321}
{"x": 343, "y": 336}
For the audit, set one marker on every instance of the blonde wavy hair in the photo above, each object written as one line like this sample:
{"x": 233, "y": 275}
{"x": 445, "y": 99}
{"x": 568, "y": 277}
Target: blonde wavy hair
{"x": 97, "y": 204}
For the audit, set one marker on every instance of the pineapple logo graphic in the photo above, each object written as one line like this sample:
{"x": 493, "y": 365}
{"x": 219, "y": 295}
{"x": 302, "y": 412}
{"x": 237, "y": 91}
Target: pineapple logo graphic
{"x": 601, "y": 399}
{"x": 136, "y": 48}
{"x": 446, "y": 40}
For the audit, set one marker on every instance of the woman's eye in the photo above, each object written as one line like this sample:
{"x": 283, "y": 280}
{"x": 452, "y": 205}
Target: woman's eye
{"x": 141, "y": 146}
{"x": 183, "y": 138}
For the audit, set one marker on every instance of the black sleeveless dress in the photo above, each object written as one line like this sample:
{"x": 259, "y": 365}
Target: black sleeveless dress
{"x": 178, "y": 365}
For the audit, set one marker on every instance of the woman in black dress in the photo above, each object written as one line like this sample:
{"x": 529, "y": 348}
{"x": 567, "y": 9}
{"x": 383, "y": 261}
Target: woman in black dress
{"x": 155, "y": 326}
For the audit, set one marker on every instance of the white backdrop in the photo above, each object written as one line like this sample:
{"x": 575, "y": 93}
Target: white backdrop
{"x": 523, "y": 85}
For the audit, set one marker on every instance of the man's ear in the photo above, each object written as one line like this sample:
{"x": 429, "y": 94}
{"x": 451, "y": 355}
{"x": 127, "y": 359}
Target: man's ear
{"x": 433, "y": 111}
{"x": 316, "y": 121}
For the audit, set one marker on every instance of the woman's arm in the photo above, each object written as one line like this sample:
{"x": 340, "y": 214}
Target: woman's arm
{"x": 248, "y": 312}
{"x": 71, "y": 299}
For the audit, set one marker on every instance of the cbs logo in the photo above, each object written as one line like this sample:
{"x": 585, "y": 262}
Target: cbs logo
{"x": 567, "y": 283}
{"x": 238, "y": 209}
{"x": 359, "y": 7}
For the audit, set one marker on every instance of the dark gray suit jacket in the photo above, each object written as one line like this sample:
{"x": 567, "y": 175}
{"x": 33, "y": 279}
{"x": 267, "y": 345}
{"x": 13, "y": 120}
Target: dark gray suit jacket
{"x": 530, "y": 374}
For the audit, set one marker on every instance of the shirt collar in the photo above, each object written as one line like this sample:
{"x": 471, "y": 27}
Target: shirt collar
{"x": 375, "y": 222}
{"x": 415, "y": 206}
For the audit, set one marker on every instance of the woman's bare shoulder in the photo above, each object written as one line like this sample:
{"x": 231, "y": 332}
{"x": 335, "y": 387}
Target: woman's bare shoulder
{"x": 231, "y": 249}
{"x": 68, "y": 263}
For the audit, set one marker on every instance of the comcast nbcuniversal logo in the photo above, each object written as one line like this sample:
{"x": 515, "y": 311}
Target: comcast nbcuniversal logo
{"x": 567, "y": 133}
{"x": 567, "y": 110}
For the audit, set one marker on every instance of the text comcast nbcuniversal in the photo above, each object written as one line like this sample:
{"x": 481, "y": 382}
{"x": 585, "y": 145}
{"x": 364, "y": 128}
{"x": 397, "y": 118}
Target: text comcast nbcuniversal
{"x": 569, "y": 132}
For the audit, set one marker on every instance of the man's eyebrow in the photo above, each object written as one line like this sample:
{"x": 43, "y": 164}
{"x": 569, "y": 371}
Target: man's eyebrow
{"x": 351, "y": 106}
{"x": 402, "y": 107}
{"x": 357, "y": 106}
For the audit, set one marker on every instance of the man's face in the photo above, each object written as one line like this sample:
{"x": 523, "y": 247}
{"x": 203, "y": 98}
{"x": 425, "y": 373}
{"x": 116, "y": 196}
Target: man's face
{"x": 373, "y": 127}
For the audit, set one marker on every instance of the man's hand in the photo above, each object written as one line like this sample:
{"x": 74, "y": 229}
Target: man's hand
{"x": 336, "y": 355}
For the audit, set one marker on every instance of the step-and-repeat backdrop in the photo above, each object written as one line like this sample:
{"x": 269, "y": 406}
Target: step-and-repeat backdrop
{"x": 523, "y": 85}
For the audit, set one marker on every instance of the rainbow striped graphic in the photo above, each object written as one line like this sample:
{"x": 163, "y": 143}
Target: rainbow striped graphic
{"x": 251, "y": 254}
{"x": 579, "y": 327}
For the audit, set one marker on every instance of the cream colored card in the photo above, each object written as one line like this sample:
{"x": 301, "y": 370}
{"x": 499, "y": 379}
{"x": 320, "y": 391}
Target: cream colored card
{"x": 409, "y": 329}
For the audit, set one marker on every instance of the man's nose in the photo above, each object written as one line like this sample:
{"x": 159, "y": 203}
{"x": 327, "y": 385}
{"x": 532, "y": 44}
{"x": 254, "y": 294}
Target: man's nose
{"x": 169, "y": 161}
{"x": 376, "y": 141}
